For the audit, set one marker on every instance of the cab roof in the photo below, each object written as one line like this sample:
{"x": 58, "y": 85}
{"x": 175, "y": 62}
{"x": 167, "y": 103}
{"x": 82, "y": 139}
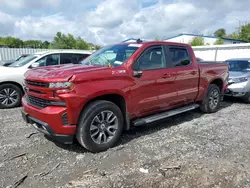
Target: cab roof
{"x": 155, "y": 43}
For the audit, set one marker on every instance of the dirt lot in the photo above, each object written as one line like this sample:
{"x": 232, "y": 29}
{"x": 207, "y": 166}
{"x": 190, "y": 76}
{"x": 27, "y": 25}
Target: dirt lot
{"x": 189, "y": 150}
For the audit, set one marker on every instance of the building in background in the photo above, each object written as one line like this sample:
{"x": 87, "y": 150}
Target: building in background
{"x": 208, "y": 40}
{"x": 187, "y": 38}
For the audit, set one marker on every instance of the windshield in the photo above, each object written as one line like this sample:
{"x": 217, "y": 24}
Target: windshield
{"x": 239, "y": 65}
{"x": 113, "y": 56}
{"x": 21, "y": 57}
{"x": 23, "y": 61}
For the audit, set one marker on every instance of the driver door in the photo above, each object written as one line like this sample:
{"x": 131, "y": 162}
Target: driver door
{"x": 154, "y": 85}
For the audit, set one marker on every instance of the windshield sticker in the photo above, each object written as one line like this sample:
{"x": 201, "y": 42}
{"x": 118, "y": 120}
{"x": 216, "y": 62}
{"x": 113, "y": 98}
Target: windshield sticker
{"x": 118, "y": 62}
{"x": 135, "y": 45}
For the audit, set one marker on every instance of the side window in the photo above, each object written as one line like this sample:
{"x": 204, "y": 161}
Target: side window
{"x": 81, "y": 56}
{"x": 49, "y": 60}
{"x": 179, "y": 56}
{"x": 67, "y": 59}
{"x": 152, "y": 58}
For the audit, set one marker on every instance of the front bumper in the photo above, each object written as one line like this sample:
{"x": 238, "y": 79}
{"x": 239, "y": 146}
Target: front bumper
{"x": 49, "y": 122}
{"x": 238, "y": 89}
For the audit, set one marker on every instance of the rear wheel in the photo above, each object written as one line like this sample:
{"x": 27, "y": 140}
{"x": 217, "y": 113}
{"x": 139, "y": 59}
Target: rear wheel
{"x": 10, "y": 96}
{"x": 211, "y": 102}
{"x": 100, "y": 126}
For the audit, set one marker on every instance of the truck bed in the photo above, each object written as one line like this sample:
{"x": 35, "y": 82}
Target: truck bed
{"x": 215, "y": 66}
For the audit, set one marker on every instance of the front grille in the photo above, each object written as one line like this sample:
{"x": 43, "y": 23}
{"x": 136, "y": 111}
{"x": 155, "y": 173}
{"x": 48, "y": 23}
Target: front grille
{"x": 39, "y": 84}
{"x": 35, "y": 91}
{"x": 65, "y": 119}
{"x": 41, "y": 103}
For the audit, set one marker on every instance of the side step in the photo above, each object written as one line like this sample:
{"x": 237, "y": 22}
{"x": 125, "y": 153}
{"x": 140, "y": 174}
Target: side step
{"x": 156, "y": 117}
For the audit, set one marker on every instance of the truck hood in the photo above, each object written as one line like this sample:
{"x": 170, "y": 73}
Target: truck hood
{"x": 239, "y": 74}
{"x": 61, "y": 73}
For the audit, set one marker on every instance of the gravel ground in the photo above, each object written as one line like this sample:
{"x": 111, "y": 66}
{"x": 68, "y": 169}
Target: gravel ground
{"x": 188, "y": 150}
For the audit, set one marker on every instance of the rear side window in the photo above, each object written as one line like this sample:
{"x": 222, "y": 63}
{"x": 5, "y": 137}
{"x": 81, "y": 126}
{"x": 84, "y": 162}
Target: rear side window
{"x": 68, "y": 58}
{"x": 179, "y": 56}
{"x": 80, "y": 57}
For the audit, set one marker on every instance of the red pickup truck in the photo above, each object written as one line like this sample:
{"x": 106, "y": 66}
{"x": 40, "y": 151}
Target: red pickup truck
{"x": 119, "y": 86}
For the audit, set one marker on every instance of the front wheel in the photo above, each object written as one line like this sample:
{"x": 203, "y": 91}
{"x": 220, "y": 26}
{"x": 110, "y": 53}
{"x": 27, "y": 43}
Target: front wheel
{"x": 211, "y": 102}
{"x": 10, "y": 96}
{"x": 100, "y": 126}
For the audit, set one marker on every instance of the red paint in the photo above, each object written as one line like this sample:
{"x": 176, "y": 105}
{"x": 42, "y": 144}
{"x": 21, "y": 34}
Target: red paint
{"x": 155, "y": 91}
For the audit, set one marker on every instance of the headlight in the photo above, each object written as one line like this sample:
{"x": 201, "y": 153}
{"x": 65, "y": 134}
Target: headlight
{"x": 239, "y": 80}
{"x": 60, "y": 85}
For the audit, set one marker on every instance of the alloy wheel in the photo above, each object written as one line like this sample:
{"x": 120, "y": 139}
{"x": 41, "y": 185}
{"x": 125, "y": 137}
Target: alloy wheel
{"x": 103, "y": 127}
{"x": 214, "y": 99}
{"x": 8, "y": 96}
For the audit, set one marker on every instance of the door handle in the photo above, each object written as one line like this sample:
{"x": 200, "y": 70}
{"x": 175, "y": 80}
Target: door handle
{"x": 166, "y": 75}
{"x": 137, "y": 74}
{"x": 193, "y": 73}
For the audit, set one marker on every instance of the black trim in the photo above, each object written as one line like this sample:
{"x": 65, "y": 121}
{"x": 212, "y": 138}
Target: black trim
{"x": 37, "y": 84}
{"x": 65, "y": 119}
{"x": 45, "y": 129}
{"x": 168, "y": 59}
{"x": 43, "y": 103}
{"x": 163, "y": 115}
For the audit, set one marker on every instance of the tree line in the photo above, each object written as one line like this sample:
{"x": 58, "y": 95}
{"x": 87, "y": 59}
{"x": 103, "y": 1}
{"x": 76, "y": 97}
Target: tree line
{"x": 60, "y": 41}
{"x": 242, "y": 33}
{"x": 68, "y": 41}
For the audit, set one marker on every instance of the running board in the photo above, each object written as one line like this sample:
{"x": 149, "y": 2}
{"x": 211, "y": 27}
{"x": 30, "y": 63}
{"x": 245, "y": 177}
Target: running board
{"x": 156, "y": 117}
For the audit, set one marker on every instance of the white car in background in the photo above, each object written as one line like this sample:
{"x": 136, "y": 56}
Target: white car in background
{"x": 239, "y": 78}
{"x": 11, "y": 77}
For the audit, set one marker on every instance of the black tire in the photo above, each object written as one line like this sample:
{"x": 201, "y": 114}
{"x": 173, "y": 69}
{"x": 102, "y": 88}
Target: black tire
{"x": 88, "y": 115}
{"x": 246, "y": 98}
{"x": 17, "y": 97}
{"x": 206, "y": 105}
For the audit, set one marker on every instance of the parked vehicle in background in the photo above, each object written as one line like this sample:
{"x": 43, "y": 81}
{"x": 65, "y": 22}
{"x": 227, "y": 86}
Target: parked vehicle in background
{"x": 11, "y": 77}
{"x": 120, "y": 86}
{"x": 199, "y": 59}
{"x": 239, "y": 78}
{"x": 8, "y": 62}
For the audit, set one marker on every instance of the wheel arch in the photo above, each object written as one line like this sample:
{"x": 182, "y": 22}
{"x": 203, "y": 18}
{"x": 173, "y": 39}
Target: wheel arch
{"x": 117, "y": 99}
{"x": 14, "y": 83}
{"x": 218, "y": 82}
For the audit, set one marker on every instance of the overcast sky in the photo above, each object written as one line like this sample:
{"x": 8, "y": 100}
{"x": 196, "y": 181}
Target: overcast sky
{"x": 109, "y": 21}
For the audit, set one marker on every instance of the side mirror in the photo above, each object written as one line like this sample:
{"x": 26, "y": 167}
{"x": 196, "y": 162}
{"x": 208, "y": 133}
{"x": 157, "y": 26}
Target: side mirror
{"x": 137, "y": 74}
{"x": 34, "y": 65}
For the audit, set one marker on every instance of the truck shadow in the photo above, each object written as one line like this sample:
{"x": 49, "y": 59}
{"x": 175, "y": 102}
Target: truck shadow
{"x": 75, "y": 147}
{"x": 136, "y": 132}
{"x": 148, "y": 129}
{"x": 233, "y": 100}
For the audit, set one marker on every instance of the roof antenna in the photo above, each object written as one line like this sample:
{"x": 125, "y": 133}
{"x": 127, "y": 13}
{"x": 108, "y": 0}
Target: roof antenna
{"x": 138, "y": 40}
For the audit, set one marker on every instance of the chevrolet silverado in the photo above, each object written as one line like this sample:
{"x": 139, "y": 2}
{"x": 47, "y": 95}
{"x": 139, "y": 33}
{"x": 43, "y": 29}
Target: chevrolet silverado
{"x": 117, "y": 87}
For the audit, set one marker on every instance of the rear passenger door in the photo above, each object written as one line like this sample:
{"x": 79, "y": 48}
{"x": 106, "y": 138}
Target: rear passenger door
{"x": 154, "y": 87}
{"x": 186, "y": 74}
